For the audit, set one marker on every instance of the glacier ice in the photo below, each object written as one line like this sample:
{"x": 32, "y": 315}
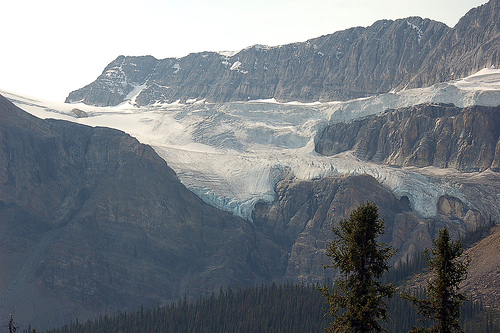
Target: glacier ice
{"x": 231, "y": 155}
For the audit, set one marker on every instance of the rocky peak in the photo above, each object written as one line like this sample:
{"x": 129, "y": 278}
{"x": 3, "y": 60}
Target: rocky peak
{"x": 473, "y": 44}
{"x": 357, "y": 62}
{"x": 353, "y": 63}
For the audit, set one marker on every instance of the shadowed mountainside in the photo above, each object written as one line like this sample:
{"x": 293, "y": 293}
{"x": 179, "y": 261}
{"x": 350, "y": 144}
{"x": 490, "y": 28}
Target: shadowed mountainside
{"x": 93, "y": 222}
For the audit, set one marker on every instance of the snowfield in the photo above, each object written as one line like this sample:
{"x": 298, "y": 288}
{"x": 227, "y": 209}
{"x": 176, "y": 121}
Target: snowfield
{"x": 232, "y": 154}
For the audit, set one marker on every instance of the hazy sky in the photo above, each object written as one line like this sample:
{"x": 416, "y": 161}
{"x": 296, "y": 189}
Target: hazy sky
{"x": 52, "y": 47}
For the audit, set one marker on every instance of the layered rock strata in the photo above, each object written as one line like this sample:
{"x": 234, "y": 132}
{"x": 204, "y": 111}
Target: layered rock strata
{"x": 357, "y": 62}
{"x": 437, "y": 135}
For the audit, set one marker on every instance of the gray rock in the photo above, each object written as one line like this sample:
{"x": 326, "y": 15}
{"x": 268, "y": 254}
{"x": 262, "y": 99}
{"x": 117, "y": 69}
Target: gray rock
{"x": 301, "y": 218}
{"x": 357, "y": 62}
{"x": 473, "y": 44}
{"x": 429, "y": 134}
{"x": 79, "y": 113}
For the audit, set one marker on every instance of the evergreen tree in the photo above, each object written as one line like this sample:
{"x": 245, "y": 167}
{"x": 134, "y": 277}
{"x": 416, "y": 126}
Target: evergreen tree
{"x": 358, "y": 300}
{"x": 444, "y": 300}
{"x": 289, "y": 308}
{"x": 12, "y": 326}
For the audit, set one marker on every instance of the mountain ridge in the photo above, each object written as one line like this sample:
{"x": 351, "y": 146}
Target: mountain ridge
{"x": 475, "y": 36}
{"x": 356, "y": 62}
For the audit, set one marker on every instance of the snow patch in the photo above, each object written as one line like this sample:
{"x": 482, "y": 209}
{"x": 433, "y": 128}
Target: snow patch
{"x": 481, "y": 88}
{"x": 177, "y": 67}
{"x": 130, "y": 98}
{"x": 417, "y": 29}
{"x": 236, "y": 66}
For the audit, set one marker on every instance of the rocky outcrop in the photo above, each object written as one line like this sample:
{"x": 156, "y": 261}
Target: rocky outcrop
{"x": 430, "y": 134}
{"x": 301, "y": 218}
{"x": 356, "y": 62}
{"x": 79, "y": 113}
{"x": 91, "y": 221}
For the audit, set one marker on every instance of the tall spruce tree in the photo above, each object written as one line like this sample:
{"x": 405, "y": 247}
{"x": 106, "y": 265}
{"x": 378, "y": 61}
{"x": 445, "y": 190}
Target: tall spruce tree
{"x": 443, "y": 302}
{"x": 358, "y": 300}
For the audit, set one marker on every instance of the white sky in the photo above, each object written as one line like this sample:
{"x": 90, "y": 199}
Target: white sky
{"x": 52, "y": 47}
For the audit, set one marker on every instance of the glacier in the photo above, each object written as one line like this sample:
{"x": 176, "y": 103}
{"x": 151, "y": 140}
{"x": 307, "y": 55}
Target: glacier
{"x": 232, "y": 154}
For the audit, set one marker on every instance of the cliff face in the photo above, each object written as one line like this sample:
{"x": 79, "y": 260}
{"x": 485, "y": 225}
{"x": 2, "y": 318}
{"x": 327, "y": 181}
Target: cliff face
{"x": 439, "y": 135}
{"x": 473, "y": 44}
{"x": 304, "y": 213}
{"x": 92, "y": 221}
{"x": 301, "y": 218}
{"x": 357, "y": 62}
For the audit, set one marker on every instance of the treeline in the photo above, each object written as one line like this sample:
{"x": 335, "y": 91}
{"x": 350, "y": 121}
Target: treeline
{"x": 269, "y": 308}
{"x": 475, "y": 316}
{"x": 278, "y": 308}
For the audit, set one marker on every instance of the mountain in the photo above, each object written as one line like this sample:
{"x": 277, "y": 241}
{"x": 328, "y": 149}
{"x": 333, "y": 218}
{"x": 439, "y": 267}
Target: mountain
{"x": 348, "y": 64}
{"x": 357, "y": 62}
{"x": 233, "y": 154}
{"x": 92, "y": 221}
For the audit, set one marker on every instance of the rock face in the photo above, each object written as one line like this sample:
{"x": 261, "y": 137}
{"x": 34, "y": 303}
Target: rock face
{"x": 473, "y": 44}
{"x": 357, "y": 62}
{"x": 91, "y": 221}
{"x": 302, "y": 218}
{"x": 431, "y": 134}
{"x": 304, "y": 212}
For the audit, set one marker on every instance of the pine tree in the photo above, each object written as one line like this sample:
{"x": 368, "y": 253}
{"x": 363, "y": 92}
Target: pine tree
{"x": 12, "y": 326}
{"x": 443, "y": 302}
{"x": 358, "y": 300}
